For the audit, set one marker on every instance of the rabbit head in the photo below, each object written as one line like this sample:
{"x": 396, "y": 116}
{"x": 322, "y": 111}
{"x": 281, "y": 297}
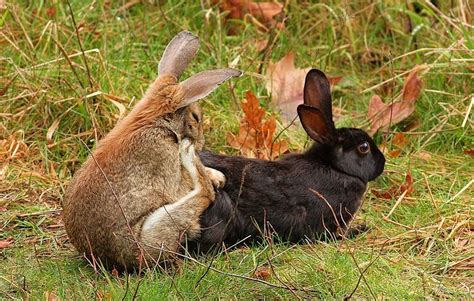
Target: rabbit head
{"x": 348, "y": 150}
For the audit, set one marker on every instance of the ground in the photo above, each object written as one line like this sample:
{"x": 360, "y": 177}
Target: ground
{"x": 66, "y": 78}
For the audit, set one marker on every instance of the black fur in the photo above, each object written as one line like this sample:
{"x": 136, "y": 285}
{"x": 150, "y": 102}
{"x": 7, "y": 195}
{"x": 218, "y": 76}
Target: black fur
{"x": 301, "y": 196}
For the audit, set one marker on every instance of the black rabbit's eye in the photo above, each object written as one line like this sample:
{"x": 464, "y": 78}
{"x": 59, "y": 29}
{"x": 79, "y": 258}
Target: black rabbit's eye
{"x": 364, "y": 148}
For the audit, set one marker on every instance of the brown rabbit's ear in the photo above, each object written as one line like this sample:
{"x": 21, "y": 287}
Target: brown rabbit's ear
{"x": 317, "y": 93}
{"x": 202, "y": 84}
{"x": 315, "y": 124}
{"x": 178, "y": 54}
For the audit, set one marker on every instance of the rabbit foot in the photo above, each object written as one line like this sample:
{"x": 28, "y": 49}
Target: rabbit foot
{"x": 217, "y": 178}
{"x": 188, "y": 160}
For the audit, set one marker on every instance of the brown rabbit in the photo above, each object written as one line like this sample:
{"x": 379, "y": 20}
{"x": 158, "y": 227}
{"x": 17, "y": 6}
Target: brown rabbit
{"x": 143, "y": 188}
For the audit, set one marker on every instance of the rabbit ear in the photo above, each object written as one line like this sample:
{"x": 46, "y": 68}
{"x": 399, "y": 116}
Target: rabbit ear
{"x": 202, "y": 84}
{"x": 317, "y": 93}
{"x": 315, "y": 124}
{"x": 178, "y": 54}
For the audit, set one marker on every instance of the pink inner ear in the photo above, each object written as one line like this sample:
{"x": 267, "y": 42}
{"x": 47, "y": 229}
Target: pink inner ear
{"x": 317, "y": 93}
{"x": 314, "y": 123}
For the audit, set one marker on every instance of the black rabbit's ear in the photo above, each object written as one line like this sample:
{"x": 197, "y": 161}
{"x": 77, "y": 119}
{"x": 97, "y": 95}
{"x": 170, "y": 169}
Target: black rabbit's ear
{"x": 317, "y": 93}
{"x": 315, "y": 124}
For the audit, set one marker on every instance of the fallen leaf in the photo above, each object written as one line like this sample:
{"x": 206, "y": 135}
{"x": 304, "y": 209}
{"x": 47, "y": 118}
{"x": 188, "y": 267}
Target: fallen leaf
{"x": 412, "y": 86}
{"x": 262, "y": 13}
{"x": 397, "y": 189}
{"x": 51, "y": 130}
{"x": 6, "y": 243}
{"x": 263, "y": 273}
{"x": 50, "y": 296}
{"x": 424, "y": 156}
{"x": 399, "y": 141}
{"x": 469, "y": 152}
{"x": 382, "y": 115}
{"x": 285, "y": 83}
{"x": 51, "y": 11}
{"x": 256, "y": 135}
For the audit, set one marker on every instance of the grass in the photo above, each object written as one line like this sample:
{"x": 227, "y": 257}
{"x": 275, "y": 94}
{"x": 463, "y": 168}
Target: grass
{"x": 52, "y": 96}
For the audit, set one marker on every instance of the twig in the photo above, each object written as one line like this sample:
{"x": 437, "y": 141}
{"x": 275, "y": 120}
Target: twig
{"x": 468, "y": 112}
{"x": 400, "y": 199}
{"x": 69, "y": 62}
{"x": 361, "y": 276}
{"x": 462, "y": 190}
{"x": 232, "y": 274}
{"x": 80, "y": 46}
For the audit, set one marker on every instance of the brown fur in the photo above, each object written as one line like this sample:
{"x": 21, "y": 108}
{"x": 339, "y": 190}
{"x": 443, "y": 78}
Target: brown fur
{"x": 144, "y": 187}
{"x": 140, "y": 158}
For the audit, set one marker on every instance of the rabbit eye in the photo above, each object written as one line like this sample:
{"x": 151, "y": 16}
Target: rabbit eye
{"x": 364, "y": 148}
{"x": 196, "y": 117}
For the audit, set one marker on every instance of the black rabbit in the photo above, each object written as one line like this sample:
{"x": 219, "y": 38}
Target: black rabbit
{"x": 301, "y": 196}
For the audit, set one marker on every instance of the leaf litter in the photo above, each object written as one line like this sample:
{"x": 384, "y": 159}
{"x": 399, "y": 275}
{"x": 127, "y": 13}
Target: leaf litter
{"x": 262, "y": 14}
{"x": 256, "y": 133}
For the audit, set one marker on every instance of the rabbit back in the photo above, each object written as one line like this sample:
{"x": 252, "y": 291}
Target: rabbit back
{"x": 134, "y": 186}
{"x": 261, "y": 192}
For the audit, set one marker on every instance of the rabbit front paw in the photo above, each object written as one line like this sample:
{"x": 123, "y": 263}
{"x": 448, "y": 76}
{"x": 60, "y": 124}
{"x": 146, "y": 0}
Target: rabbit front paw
{"x": 217, "y": 178}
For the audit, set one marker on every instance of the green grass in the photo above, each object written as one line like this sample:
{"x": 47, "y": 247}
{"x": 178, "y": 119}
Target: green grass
{"x": 423, "y": 250}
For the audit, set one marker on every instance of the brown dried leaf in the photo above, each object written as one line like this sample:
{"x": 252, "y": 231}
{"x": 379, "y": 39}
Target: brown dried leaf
{"x": 412, "y": 86}
{"x": 6, "y": 243}
{"x": 397, "y": 190}
{"x": 399, "y": 141}
{"x": 262, "y": 12}
{"x": 263, "y": 273}
{"x": 285, "y": 83}
{"x": 382, "y": 115}
{"x": 256, "y": 136}
{"x": 469, "y": 152}
{"x": 51, "y": 11}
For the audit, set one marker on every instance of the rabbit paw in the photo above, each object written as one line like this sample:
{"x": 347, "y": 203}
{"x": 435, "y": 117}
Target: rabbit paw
{"x": 188, "y": 160}
{"x": 217, "y": 178}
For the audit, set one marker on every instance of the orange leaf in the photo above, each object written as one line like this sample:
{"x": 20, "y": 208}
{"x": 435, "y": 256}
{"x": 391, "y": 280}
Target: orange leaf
{"x": 51, "y": 11}
{"x": 263, "y": 273}
{"x": 397, "y": 190}
{"x": 395, "y": 153}
{"x": 285, "y": 83}
{"x": 469, "y": 152}
{"x": 398, "y": 141}
{"x": 255, "y": 138}
{"x": 253, "y": 112}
